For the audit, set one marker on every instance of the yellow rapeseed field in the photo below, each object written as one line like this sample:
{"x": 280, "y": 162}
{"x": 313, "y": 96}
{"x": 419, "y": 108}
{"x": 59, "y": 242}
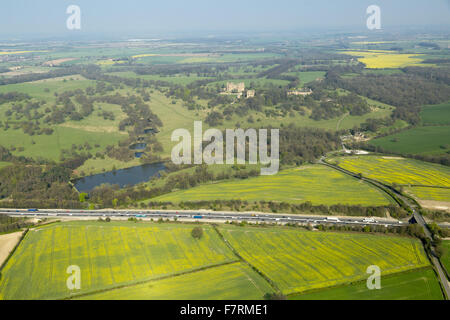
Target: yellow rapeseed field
{"x": 381, "y": 59}
{"x": 299, "y": 260}
{"x": 18, "y": 52}
{"x": 108, "y": 254}
{"x": 434, "y": 194}
{"x": 315, "y": 183}
{"x": 397, "y": 170}
{"x": 231, "y": 281}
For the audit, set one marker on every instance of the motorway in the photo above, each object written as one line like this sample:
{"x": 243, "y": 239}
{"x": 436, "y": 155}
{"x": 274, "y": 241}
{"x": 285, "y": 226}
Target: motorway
{"x": 201, "y": 215}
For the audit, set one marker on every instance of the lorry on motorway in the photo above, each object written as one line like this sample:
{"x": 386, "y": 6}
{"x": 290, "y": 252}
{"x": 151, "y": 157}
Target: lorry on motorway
{"x": 334, "y": 219}
{"x": 197, "y": 217}
{"x": 32, "y": 210}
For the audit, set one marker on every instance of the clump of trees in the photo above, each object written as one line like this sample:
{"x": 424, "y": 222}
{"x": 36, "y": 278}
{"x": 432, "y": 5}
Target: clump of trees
{"x": 37, "y": 186}
{"x": 275, "y": 296}
{"x": 197, "y": 233}
{"x": 407, "y": 92}
{"x": 13, "y": 96}
{"x": 9, "y": 224}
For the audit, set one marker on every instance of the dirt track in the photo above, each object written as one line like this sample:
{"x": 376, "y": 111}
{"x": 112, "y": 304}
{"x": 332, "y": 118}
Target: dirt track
{"x": 437, "y": 205}
{"x": 7, "y": 244}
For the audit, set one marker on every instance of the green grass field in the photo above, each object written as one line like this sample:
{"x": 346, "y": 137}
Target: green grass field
{"x": 98, "y": 165}
{"x": 227, "y": 282}
{"x": 96, "y": 123}
{"x": 173, "y": 116}
{"x": 176, "y": 79}
{"x": 298, "y": 260}
{"x": 315, "y": 183}
{"x": 436, "y": 114}
{"x": 419, "y": 140}
{"x": 427, "y": 193}
{"x": 93, "y": 129}
{"x": 50, "y": 146}
{"x": 258, "y": 82}
{"x": 4, "y": 164}
{"x": 306, "y": 76}
{"x": 36, "y": 89}
{"x": 397, "y": 170}
{"x": 445, "y": 259}
{"x": 108, "y": 254}
{"x": 414, "y": 285}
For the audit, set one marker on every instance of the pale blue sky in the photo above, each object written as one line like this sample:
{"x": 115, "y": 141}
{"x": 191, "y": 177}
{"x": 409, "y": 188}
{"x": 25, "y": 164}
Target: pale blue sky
{"x": 117, "y": 17}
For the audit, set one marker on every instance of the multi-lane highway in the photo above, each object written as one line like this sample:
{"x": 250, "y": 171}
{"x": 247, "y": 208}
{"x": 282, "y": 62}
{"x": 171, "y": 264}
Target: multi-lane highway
{"x": 203, "y": 215}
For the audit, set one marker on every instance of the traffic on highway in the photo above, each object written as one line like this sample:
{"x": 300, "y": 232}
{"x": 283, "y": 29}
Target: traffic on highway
{"x": 200, "y": 215}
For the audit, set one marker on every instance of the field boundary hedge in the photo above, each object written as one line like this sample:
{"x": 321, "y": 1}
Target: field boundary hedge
{"x": 265, "y": 277}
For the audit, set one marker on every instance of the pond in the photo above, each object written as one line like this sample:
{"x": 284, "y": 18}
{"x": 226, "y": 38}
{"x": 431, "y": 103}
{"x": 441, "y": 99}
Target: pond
{"x": 138, "y": 146}
{"x": 123, "y": 177}
{"x": 150, "y": 130}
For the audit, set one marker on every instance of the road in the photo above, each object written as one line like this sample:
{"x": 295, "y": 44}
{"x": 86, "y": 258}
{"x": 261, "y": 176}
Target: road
{"x": 415, "y": 213}
{"x": 203, "y": 215}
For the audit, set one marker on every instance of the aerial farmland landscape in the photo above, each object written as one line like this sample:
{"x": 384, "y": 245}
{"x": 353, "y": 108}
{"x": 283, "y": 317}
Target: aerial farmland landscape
{"x": 182, "y": 157}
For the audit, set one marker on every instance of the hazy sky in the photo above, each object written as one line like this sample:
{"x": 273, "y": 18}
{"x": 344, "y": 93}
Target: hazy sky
{"x": 120, "y": 17}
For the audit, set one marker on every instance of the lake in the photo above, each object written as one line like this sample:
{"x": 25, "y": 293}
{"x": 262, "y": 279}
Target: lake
{"x": 123, "y": 177}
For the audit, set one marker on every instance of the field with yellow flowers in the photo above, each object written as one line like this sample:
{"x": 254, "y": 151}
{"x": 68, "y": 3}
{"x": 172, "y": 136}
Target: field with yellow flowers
{"x": 427, "y": 193}
{"x": 108, "y": 254}
{"x": 298, "y": 261}
{"x": 315, "y": 183}
{"x": 383, "y": 59}
{"x": 420, "y": 284}
{"x": 146, "y": 260}
{"x": 231, "y": 281}
{"x": 396, "y": 170}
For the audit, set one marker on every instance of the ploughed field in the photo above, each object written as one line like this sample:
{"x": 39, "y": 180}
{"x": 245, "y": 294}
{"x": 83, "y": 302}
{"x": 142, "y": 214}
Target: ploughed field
{"x": 127, "y": 260}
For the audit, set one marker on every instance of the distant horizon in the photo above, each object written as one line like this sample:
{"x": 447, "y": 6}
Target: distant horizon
{"x": 223, "y": 34}
{"x": 27, "y": 19}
